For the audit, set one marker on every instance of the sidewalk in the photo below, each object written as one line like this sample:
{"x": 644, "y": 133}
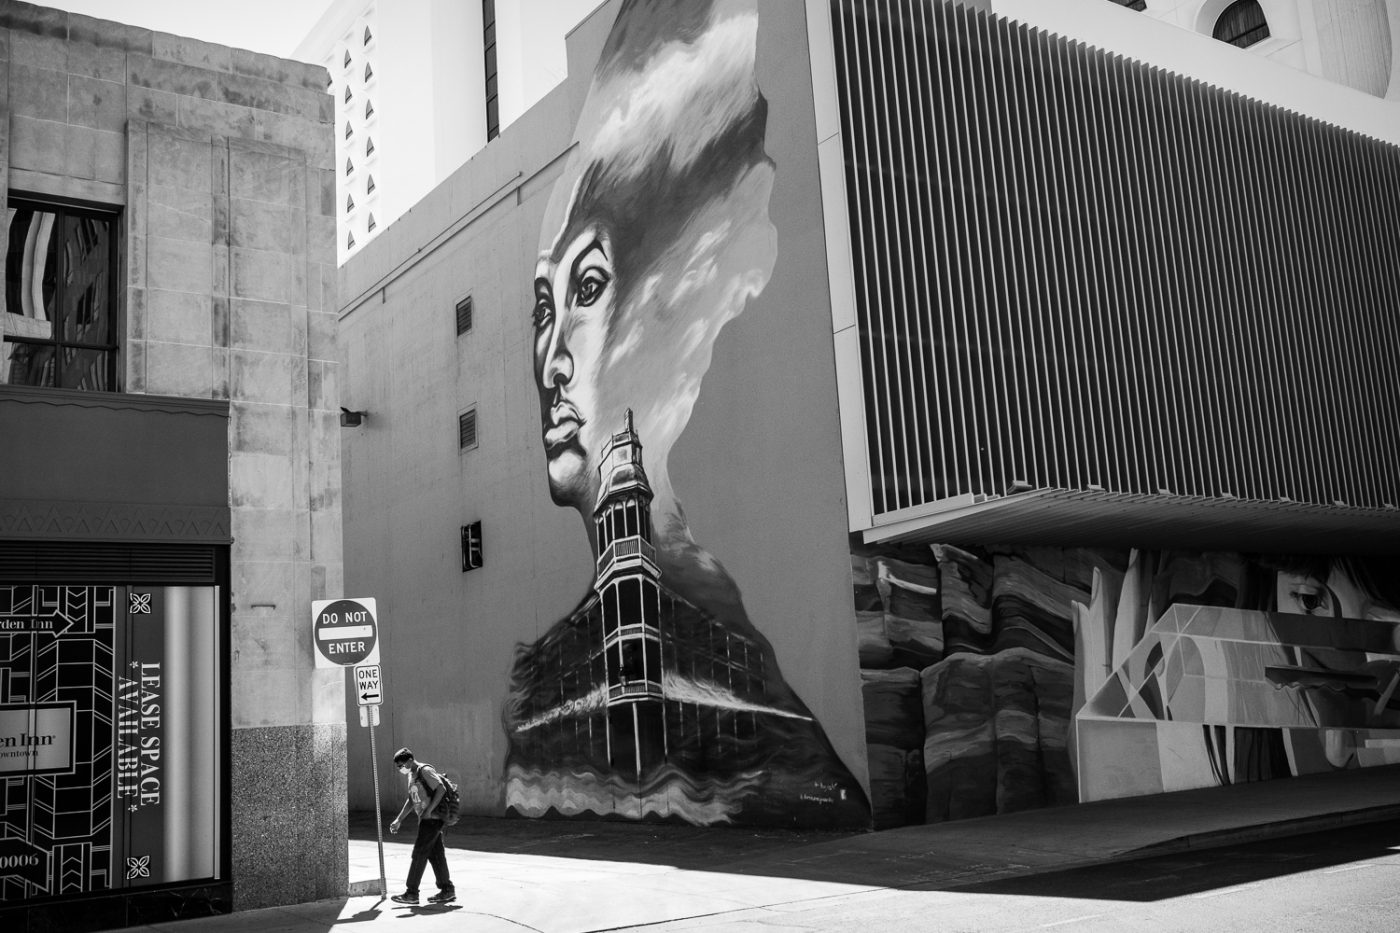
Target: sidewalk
{"x": 573, "y": 877}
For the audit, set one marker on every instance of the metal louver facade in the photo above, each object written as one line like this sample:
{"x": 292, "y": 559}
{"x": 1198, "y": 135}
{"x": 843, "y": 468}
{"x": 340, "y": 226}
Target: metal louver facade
{"x": 1077, "y": 272}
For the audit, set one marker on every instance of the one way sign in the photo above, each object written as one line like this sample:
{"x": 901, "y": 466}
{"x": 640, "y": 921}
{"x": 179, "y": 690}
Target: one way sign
{"x": 367, "y": 685}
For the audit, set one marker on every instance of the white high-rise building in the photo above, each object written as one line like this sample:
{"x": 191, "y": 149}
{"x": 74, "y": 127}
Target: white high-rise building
{"x": 1348, "y": 42}
{"x": 421, "y": 85}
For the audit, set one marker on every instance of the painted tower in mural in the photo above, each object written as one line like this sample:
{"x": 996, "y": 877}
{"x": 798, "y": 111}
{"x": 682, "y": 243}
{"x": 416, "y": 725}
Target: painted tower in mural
{"x": 642, "y": 705}
{"x": 679, "y": 686}
{"x": 630, "y": 597}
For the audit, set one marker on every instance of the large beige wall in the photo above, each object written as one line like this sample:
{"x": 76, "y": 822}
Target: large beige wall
{"x": 758, "y": 468}
{"x": 220, "y": 161}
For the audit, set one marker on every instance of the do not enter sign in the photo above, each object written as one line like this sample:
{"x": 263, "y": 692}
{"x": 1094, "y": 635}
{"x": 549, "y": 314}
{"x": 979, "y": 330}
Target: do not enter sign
{"x": 344, "y": 631}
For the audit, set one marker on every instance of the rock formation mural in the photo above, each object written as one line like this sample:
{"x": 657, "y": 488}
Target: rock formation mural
{"x": 998, "y": 678}
{"x": 658, "y": 696}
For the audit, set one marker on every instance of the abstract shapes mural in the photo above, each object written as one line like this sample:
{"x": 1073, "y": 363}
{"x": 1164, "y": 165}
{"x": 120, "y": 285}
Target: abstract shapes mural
{"x": 1218, "y": 695}
{"x": 657, "y": 697}
{"x": 1000, "y": 678}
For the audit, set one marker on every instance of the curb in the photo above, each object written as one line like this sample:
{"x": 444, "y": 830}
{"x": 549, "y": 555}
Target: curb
{"x": 1211, "y": 839}
{"x": 362, "y": 888}
{"x": 1276, "y": 829}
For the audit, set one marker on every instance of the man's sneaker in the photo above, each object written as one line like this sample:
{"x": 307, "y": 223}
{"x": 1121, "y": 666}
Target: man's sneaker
{"x": 405, "y": 898}
{"x": 443, "y": 897}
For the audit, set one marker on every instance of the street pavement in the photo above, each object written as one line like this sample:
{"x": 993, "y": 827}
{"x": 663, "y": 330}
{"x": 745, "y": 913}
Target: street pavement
{"x": 584, "y": 876}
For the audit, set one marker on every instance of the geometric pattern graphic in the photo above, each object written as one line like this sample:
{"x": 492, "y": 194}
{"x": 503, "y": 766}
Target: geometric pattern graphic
{"x": 56, "y": 649}
{"x": 21, "y": 518}
{"x": 108, "y": 702}
{"x": 1218, "y": 696}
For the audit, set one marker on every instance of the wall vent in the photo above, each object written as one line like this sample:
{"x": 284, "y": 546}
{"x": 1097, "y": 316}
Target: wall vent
{"x": 466, "y": 429}
{"x": 464, "y": 315}
{"x": 1072, "y": 268}
{"x": 83, "y": 562}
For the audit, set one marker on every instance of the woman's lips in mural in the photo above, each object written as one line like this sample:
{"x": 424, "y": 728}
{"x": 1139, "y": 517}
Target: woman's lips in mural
{"x": 564, "y": 425}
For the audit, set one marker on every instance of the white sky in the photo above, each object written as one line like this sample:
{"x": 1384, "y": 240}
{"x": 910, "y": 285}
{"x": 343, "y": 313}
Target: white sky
{"x": 272, "y": 26}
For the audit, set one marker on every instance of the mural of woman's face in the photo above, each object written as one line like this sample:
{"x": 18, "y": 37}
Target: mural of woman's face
{"x": 1336, "y": 596}
{"x": 575, "y": 299}
{"x": 655, "y": 235}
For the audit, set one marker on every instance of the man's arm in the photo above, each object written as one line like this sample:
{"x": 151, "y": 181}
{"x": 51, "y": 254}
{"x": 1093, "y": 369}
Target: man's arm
{"x": 398, "y": 820}
{"x": 439, "y": 793}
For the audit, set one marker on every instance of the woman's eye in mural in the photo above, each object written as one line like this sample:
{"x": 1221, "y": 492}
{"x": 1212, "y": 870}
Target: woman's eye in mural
{"x": 592, "y": 272}
{"x": 543, "y": 311}
{"x": 590, "y": 286}
{"x": 1310, "y": 599}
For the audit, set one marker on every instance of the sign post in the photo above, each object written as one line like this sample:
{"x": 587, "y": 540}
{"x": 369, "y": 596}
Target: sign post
{"x": 346, "y": 633}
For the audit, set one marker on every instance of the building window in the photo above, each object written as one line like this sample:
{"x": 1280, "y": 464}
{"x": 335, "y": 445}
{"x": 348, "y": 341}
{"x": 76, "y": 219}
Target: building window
{"x": 369, "y": 108}
{"x": 349, "y": 167}
{"x": 349, "y": 203}
{"x": 466, "y": 429}
{"x": 369, "y": 185}
{"x": 493, "y": 103}
{"x": 471, "y": 547}
{"x": 369, "y": 146}
{"x": 370, "y": 224}
{"x": 349, "y": 130}
{"x": 348, "y": 95}
{"x": 1138, "y": 5}
{"x": 350, "y": 240}
{"x": 368, "y": 35}
{"x": 60, "y": 315}
{"x": 464, "y": 315}
{"x": 1242, "y": 24}
{"x": 347, "y": 59}
{"x": 369, "y": 72}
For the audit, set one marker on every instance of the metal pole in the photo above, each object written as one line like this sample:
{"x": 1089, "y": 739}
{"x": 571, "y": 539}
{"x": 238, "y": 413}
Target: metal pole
{"x": 378, "y": 815}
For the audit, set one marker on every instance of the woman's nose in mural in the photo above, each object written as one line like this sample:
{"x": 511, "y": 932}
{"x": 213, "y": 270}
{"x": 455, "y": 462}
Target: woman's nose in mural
{"x": 558, "y": 362}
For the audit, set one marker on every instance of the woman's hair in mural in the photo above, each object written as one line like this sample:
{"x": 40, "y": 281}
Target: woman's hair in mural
{"x": 670, "y": 163}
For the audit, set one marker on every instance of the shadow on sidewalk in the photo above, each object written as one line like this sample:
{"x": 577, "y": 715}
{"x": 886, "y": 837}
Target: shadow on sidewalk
{"x": 1182, "y": 874}
{"x": 867, "y": 860}
{"x": 680, "y": 846}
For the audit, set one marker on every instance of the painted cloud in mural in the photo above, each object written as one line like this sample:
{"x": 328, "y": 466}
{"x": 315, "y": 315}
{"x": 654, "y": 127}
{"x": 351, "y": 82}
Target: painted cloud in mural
{"x": 657, "y": 696}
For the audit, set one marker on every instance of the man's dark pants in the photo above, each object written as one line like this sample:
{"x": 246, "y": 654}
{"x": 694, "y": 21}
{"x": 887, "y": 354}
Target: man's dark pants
{"x": 428, "y": 848}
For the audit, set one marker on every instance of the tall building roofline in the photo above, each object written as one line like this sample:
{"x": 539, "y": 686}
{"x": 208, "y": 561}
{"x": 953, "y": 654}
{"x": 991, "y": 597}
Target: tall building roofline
{"x": 337, "y": 18}
{"x": 1193, "y": 55}
{"x": 164, "y": 46}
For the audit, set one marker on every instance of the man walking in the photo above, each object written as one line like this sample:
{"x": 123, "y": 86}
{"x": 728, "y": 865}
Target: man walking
{"x": 425, "y": 792}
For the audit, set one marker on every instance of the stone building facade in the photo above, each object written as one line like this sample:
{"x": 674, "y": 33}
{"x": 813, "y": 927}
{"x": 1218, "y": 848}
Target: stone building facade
{"x": 188, "y": 471}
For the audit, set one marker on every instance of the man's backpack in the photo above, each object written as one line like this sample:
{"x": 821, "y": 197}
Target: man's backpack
{"x": 449, "y": 809}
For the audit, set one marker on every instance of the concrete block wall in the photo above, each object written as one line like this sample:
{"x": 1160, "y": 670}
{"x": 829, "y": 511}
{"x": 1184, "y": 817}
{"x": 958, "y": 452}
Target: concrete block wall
{"x": 221, "y": 163}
